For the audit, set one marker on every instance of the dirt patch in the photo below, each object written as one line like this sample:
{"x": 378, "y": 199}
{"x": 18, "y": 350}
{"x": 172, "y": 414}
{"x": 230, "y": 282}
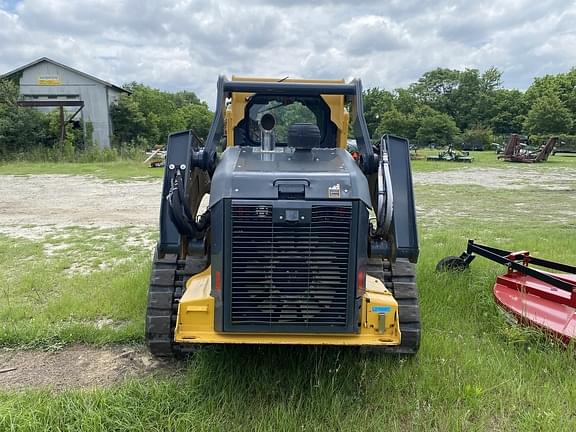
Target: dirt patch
{"x": 39, "y": 205}
{"x": 507, "y": 178}
{"x": 78, "y": 366}
{"x": 32, "y": 206}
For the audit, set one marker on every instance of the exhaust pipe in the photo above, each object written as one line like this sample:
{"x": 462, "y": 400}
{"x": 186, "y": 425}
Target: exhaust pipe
{"x": 267, "y": 138}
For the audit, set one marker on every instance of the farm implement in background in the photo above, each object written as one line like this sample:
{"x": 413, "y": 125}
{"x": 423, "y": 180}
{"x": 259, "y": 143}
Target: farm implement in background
{"x": 515, "y": 151}
{"x": 564, "y": 149}
{"x": 414, "y": 155}
{"x": 156, "y": 157}
{"x": 536, "y": 298}
{"x": 451, "y": 155}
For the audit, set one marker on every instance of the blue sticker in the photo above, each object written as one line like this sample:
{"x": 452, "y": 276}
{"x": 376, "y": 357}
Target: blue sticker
{"x": 381, "y": 309}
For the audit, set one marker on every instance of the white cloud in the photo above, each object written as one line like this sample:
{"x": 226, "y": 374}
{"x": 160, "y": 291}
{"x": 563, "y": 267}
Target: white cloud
{"x": 186, "y": 44}
{"x": 372, "y": 34}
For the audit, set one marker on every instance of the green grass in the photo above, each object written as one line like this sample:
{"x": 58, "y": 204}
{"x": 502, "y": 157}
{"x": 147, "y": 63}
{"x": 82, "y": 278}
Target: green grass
{"x": 475, "y": 372}
{"x": 128, "y": 169}
{"x": 457, "y": 383}
{"x": 119, "y": 170}
{"x": 85, "y": 285}
{"x": 486, "y": 159}
{"x": 527, "y": 210}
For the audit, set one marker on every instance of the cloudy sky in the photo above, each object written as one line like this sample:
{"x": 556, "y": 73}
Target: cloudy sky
{"x": 186, "y": 44}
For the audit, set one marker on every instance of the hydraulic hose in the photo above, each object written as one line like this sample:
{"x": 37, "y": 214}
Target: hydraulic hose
{"x": 385, "y": 198}
{"x": 180, "y": 213}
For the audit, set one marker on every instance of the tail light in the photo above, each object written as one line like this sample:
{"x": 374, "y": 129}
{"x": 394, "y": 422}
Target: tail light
{"x": 361, "y": 283}
{"x": 218, "y": 281}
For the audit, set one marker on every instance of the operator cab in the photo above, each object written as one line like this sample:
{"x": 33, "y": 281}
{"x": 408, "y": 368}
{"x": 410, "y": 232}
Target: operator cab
{"x": 303, "y": 117}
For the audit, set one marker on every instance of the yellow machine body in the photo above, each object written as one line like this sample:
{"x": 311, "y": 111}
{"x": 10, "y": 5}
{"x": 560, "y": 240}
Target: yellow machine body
{"x": 379, "y": 315}
{"x": 379, "y": 325}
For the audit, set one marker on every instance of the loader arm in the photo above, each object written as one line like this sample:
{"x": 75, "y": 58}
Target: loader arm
{"x": 403, "y": 235}
{"x": 182, "y": 190}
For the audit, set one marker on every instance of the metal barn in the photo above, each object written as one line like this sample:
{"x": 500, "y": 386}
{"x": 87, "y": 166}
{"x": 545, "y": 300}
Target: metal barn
{"x": 47, "y": 84}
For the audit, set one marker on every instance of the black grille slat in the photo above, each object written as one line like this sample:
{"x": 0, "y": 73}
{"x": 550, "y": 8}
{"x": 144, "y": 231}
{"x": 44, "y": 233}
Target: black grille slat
{"x": 290, "y": 274}
{"x": 293, "y": 296}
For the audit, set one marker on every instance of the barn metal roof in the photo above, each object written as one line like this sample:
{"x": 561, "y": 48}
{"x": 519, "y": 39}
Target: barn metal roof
{"x": 46, "y": 59}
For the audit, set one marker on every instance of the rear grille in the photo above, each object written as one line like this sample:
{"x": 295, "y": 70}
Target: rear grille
{"x": 290, "y": 276}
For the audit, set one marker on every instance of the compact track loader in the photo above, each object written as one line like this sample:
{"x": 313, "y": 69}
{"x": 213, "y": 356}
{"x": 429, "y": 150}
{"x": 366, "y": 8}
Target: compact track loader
{"x": 271, "y": 233}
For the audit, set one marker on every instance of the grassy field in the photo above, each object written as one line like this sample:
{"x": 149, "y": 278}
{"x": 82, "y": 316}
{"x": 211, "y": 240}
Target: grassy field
{"x": 129, "y": 169}
{"x": 76, "y": 285}
{"x": 119, "y": 170}
{"x": 485, "y": 159}
{"x": 474, "y": 371}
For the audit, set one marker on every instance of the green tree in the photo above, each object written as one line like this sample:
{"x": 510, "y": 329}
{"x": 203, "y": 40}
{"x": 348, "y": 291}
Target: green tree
{"x": 471, "y": 103}
{"x": 184, "y": 97}
{"x": 548, "y": 115}
{"x": 439, "y": 129}
{"x": 562, "y": 85}
{"x": 491, "y": 79}
{"x": 405, "y": 102}
{"x": 376, "y": 103}
{"x": 479, "y": 136}
{"x": 21, "y": 129}
{"x": 128, "y": 121}
{"x": 467, "y": 96}
{"x": 150, "y": 99}
{"x": 8, "y": 95}
{"x": 435, "y": 88}
{"x": 510, "y": 108}
{"x": 196, "y": 117}
{"x": 398, "y": 123}
{"x": 147, "y": 116}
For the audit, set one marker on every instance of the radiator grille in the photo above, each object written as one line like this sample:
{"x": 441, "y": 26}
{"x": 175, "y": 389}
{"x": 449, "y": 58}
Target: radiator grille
{"x": 290, "y": 275}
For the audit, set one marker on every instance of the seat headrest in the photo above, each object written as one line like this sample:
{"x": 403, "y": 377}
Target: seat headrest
{"x": 303, "y": 136}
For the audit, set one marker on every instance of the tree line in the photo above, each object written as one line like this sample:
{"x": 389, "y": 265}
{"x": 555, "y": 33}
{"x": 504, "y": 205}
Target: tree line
{"x": 447, "y": 106}
{"x": 146, "y": 116}
{"x": 444, "y": 106}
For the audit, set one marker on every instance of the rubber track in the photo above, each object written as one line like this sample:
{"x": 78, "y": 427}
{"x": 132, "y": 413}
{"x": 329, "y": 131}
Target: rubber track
{"x": 167, "y": 279}
{"x": 400, "y": 279}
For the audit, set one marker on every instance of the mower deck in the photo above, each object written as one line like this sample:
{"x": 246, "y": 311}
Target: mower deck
{"x": 538, "y": 304}
{"x": 535, "y": 297}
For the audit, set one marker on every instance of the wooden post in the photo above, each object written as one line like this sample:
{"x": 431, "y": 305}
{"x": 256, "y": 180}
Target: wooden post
{"x": 62, "y": 125}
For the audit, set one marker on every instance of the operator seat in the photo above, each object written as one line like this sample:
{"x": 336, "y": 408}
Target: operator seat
{"x": 304, "y": 136}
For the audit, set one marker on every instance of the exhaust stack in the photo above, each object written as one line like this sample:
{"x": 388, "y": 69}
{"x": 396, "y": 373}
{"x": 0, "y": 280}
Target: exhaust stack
{"x": 267, "y": 139}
